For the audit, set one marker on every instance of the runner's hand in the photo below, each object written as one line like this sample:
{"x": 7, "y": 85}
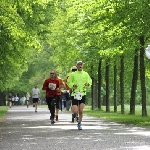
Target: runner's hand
{"x": 75, "y": 86}
{"x": 86, "y": 84}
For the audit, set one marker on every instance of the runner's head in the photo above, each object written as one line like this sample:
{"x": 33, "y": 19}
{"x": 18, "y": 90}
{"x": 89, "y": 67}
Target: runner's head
{"x": 74, "y": 68}
{"x": 79, "y": 65}
{"x": 56, "y": 73}
{"x": 35, "y": 85}
{"x": 52, "y": 74}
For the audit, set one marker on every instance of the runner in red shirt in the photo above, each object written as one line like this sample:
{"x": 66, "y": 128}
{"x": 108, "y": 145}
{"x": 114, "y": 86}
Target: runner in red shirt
{"x": 51, "y": 85}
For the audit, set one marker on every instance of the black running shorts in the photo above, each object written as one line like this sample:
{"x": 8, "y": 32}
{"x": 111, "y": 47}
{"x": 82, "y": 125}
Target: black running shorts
{"x": 35, "y": 100}
{"x": 76, "y": 102}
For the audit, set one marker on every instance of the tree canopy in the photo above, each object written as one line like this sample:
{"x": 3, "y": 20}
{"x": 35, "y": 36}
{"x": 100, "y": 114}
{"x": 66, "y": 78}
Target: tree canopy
{"x": 40, "y": 35}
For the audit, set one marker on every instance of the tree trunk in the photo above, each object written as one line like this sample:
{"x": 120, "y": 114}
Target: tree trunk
{"x": 142, "y": 76}
{"x": 115, "y": 88}
{"x": 134, "y": 83}
{"x": 92, "y": 95}
{"x": 99, "y": 84}
{"x": 122, "y": 83}
{"x": 95, "y": 89}
{"x": 107, "y": 88}
{"x": 2, "y": 99}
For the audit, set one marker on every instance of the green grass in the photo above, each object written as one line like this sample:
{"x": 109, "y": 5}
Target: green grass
{"x": 3, "y": 111}
{"x": 126, "y": 118}
{"x": 42, "y": 106}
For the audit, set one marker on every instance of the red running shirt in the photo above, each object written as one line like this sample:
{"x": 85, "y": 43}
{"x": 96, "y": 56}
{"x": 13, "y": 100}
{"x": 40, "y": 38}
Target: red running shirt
{"x": 49, "y": 82}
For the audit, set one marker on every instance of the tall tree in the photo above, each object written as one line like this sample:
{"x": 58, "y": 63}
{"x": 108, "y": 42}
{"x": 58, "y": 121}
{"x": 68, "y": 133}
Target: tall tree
{"x": 99, "y": 83}
{"x": 122, "y": 83}
{"x": 142, "y": 76}
{"x": 134, "y": 83}
{"x": 107, "y": 86}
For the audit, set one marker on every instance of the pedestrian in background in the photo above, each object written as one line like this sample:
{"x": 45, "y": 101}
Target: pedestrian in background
{"x": 27, "y": 99}
{"x": 10, "y": 99}
{"x": 35, "y": 96}
{"x": 67, "y": 98}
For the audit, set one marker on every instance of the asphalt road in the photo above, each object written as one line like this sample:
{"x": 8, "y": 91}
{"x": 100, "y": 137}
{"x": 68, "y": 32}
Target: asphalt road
{"x": 23, "y": 129}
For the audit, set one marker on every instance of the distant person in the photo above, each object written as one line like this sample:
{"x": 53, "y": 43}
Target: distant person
{"x": 67, "y": 97}
{"x": 35, "y": 96}
{"x": 63, "y": 97}
{"x": 10, "y": 99}
{"x": 27, "y": 99}
{"x": 51, "y": 85}
{"x": 21, "y": 100}
{"x": 24, "y": 100}
{"x": 16, "y": 100}
{"x": 79, "y": 81}
{"x": 13, "y": 100}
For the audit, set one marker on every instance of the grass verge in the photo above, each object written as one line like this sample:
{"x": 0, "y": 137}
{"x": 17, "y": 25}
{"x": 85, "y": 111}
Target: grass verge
{"x": 126, "y": 118}
{"x": 3, "y": 111}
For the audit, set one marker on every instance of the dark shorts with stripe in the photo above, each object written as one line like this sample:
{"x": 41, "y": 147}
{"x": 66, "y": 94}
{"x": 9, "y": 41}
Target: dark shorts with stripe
{"x": 76, "y": 102}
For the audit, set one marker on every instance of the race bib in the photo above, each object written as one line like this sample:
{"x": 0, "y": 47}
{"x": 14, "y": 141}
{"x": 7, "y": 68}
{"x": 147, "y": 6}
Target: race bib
{"x": 52, "y": 86}
{"x": 78, "y": 96}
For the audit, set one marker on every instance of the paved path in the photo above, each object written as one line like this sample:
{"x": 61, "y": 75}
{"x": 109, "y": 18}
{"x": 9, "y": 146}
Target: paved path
{"x": 23, "y": 129}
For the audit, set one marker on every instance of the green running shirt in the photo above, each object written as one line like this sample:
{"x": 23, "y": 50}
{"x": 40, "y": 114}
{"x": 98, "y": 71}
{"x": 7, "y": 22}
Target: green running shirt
{"x": 79, "y": 78}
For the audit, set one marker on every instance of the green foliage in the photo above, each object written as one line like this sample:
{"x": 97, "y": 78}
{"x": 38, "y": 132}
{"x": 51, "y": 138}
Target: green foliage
{"x": 22, "y": 23}
{"x": 40, "y": 35}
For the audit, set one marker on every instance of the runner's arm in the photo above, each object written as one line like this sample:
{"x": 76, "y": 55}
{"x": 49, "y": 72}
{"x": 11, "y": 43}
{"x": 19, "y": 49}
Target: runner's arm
{"x": 89, "y": 80}
{"x": 70, "y": 81}
{"x": 45, "y": 85}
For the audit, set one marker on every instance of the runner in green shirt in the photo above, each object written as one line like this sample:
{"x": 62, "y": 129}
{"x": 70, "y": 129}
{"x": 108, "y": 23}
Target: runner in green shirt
{"x": 79, "y": 81}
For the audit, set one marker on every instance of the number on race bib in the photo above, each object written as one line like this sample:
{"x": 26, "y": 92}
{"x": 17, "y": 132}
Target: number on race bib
{"x": 78, "y": 96}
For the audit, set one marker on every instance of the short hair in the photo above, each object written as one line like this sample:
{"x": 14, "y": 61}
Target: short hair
{"x": 80, "y": 61}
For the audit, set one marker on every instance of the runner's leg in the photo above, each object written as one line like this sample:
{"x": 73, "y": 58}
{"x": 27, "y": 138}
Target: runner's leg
{"x": 74, "y": 107}
{"x": 53, "y": 105}
{"x": 35, "y": 106}
{"x": 57, "y": 106}
{"x": 10, "y": 103}
{"x": 81, "y": 107}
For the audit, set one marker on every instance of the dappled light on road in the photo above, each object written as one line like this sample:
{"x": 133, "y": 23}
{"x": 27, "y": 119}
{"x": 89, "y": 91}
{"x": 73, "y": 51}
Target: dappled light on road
{"x": 32, "y": 130}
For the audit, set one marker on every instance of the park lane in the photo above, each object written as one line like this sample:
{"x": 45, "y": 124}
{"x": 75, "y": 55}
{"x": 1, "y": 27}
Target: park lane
{"x": 23, "y": 129}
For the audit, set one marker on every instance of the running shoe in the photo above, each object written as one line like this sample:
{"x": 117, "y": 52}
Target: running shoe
{"x": 79, "y": 126}
{"x": 77, "y": 118}
{"x": 72, "y": 118}
{"x": 56, "y": 117}
{"x": 52, "y": 121}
